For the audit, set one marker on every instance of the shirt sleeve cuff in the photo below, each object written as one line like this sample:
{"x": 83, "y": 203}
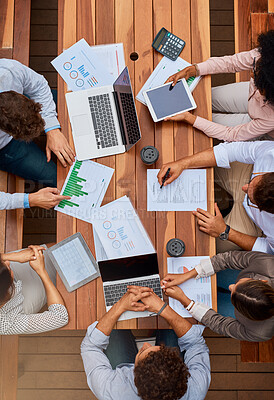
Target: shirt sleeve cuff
{"x": 262, "y": 245}
{"x": 202, "y": 68}
{"x": 191, "y": 337}
{"x": 199, "y": 310}
{"x": 98, "y": 338}
{"x": 221, "y": 155}
{"x": 205, "y": 268}
{"x": 53, "y": 127}
{"x": 26, "y": 200}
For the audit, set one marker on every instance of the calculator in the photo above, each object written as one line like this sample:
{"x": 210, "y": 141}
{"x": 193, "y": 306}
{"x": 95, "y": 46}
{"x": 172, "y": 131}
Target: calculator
{"x": 168, "y": 44}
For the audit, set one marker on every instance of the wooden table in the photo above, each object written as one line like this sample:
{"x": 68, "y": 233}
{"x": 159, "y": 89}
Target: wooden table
{"x": 135, "y": 23}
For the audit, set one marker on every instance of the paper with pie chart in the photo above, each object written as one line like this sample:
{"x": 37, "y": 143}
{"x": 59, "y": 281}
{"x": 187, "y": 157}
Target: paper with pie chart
{"x": 186, "y": 193}
{"x": 198, "y": 290}
{"x": 86, "y": 183}
{"x": 80, "y": 68}
{"x": 120, "y": 231}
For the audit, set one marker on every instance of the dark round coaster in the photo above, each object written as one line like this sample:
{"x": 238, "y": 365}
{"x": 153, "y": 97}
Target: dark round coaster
{"x": 175, "y": 247}
{"x": 149, "y": 155}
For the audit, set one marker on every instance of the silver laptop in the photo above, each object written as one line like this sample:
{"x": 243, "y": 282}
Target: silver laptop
{"x": 119, "y": 273}
{"x": 104, "y": 120}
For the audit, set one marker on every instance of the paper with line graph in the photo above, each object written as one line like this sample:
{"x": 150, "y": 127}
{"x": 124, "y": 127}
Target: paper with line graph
{"x": 186, "y": 193}
{"x": 195, "y": 289}
{"x": 86, "y": 184}
{"x": 80, "y": 68}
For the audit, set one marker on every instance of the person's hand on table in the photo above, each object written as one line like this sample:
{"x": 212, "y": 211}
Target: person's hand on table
{"x": 152, "y": 302}
{"x": 57, "y": 143}
{"x": 21, "y": 256}
{"x": 186, "y": 117}
{"x": 46, "y": 198}
{"x": 213, "y": 225}
{"x": 130, "y": 300}
{"x": 172, "y": 280}
{"x": 177, "y": 293}
{"x": 185, "y": 73}
{"x": 176, "y": 168}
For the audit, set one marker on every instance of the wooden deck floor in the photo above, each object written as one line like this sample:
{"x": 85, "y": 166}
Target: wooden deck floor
{"x": 50, "y": 368}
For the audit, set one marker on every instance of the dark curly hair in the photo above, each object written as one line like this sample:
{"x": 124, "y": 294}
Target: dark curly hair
{"x": 264, "y": 193}
{"x": 6, "y": 283}
{"x": 254, "y": 299}
{"x": 264, "y": 76}
{"x": 20, "y": 117}
{"x": 162, "y": 375}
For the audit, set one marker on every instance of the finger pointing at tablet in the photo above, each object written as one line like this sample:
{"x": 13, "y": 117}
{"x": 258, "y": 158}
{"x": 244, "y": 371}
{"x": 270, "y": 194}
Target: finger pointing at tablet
{"x": 185, "y": 73}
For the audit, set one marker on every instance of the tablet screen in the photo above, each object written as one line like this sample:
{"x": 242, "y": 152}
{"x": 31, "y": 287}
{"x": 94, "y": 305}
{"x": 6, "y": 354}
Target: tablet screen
{"x": 74, "y": 262}
{"x": 167, "y": 102}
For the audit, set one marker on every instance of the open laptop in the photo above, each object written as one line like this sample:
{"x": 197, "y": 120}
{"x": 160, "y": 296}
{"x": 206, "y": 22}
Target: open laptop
{"x": 104, "y": 119}
{"x": 119, "y": 273}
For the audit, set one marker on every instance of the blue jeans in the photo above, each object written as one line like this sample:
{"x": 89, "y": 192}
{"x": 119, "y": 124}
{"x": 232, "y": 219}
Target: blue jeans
{"x": 28, "y": 161}
{"x": 122, "y": 347}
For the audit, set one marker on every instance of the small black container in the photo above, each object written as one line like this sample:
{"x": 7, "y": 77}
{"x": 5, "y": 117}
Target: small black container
{"x": 149, "y": 155}
{"x": 175, "y": 247}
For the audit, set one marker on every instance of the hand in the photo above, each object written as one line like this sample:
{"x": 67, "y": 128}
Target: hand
{"x": 38, "y": 265}
{"x": 171, "y": 280}
{"x": 22, "y": 256}
{"x": 186, "y": 117}
{"x": 213, "y": 225}
{"x": 130, "y": 301}
{"x": 185, "y": 73}
{"x": 46, "y": 198}
{"x": 152, "y": 301}
{"x": 176, "y": 168}
{"x": 175, "y": 292}
{"x": 57, "y": 143}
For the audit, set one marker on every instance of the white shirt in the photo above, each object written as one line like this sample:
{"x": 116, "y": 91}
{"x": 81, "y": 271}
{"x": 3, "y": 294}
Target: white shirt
{"x": 21, "y": 79}
{"x": 261, "y": 155}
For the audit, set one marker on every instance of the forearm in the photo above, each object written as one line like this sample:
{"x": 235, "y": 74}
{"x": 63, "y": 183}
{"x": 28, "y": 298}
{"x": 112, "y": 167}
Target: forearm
{"x": 179, "y": 324}
{"x": 246, "y": 242}
{"x": 14, "y": 256}
{"x": 107, "y": 322}
{"x": 53, "y": 295}
{"x": 202, "y": 159}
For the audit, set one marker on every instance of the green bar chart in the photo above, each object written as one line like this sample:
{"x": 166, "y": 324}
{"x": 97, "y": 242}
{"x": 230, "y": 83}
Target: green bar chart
{"x": 73, "y": 186}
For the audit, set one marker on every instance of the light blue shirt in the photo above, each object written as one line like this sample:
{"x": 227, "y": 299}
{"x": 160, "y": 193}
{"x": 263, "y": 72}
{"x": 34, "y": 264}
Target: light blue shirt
{"x": 21, "y": 79}
{"x": 261, "y": 155}
{"x": 118, "y": 384}
{"x": 11, "y": 201}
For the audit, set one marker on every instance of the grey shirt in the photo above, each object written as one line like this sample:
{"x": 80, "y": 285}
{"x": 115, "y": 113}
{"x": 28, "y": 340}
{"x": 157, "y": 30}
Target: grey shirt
{"x": 21, "y": 79}
{"x": 253, "y": 264}
{"x": 118, "y": 384}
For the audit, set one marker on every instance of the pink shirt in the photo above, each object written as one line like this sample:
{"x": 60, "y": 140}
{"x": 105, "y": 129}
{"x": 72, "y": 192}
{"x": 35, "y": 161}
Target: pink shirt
{"x": 261, "y": 113}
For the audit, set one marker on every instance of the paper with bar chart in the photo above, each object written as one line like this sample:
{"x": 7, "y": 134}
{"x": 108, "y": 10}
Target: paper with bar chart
{"x": 80, "y": 68}
{"x": 195, "y": 289}
{"x": 86, "y": 183}
{"x": 186, "y": 193}
{"x": 120, "y": 231}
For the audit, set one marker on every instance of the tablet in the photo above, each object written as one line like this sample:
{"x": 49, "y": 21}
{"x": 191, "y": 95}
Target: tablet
{"x": 74, "y": 262}
{"x": 163, "y": 103}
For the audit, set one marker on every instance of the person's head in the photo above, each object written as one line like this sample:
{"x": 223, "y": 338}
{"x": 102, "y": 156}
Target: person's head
{"x": 20, "y": 117}
{"x": 160, "y": 373}
{"x": 6, "y": 282}
{"x": 253, "y": 298}
{"x": 260, "y": 191}
{"x": 264, "y": 66}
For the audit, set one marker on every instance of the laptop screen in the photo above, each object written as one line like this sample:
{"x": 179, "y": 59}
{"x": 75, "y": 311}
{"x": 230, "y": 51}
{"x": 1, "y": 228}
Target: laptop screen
{"x": 129, "y": 267}
{"x": 126, "y": 110}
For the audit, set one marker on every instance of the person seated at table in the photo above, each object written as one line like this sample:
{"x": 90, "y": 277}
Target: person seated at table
{"x": 116, "y": 370}
{"x": 246, "y": 171}
{"x": 26, "y": 285}
{"x": 243, "y": 110}
{"x": 252, "y": 295}
{"x": 43, "y": 198}
{"x": 27, "y": 110}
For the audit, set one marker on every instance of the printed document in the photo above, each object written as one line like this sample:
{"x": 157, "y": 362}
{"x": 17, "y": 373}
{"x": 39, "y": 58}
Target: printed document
{"x": 186, "y": 193}
{"x": 112, "y": 56}
{"x": 164, "y": 69}
{"x": 195, "y": 289}
{"x": 80, "y": 68}
{"x": 86, "y": 183}
{"x": 120, "y": 230}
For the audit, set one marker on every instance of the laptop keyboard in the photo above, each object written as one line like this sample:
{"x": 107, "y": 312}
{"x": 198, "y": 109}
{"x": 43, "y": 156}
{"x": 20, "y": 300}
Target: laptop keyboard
{"x": 114, "y": 292}
{"x": 103, "y": 122}
{"x": 130, "y": 117}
